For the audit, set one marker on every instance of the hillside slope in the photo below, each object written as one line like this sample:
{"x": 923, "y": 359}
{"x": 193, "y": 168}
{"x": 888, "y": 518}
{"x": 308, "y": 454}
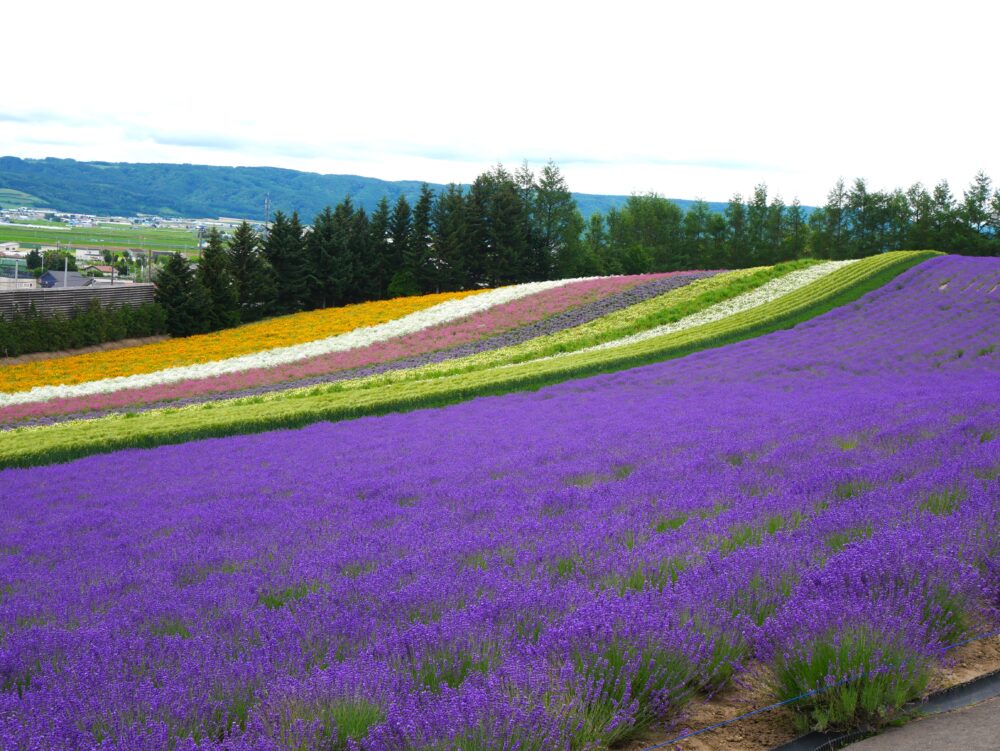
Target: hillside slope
{"x": 808, "y": 516}
{"x": 404, "y": 354}
{"x": 193, "y": 190}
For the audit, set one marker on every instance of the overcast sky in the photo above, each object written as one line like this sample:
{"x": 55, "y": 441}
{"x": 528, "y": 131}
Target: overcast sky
{"x": 694, "y": 99}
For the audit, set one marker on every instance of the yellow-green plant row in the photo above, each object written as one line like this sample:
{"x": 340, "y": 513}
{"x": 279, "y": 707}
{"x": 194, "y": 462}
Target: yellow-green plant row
{"x": 667, "y": 308}
{"x": 31, "y": 446}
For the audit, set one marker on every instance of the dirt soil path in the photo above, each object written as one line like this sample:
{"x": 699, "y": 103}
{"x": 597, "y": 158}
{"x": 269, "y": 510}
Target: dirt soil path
{"x": 770, "y": 729}
{"x": 106, "y": 347}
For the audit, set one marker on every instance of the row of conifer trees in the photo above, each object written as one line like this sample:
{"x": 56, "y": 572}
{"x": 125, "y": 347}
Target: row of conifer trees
{"x": 511, "y": 227}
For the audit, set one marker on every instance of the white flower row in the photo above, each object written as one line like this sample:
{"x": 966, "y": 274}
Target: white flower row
{"x": 445, "y": 312}
{"x": 772, "y": 290}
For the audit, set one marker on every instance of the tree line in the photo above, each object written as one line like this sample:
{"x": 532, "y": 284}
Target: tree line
{"x": 31, "y": 331}
{"x": 511, "y": 227}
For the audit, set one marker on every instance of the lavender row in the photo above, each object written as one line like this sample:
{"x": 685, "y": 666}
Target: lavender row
{"x": 542, "y": 570}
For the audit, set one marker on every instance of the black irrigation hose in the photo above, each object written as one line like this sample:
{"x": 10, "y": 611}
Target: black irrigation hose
{"x": 984, "y": 687}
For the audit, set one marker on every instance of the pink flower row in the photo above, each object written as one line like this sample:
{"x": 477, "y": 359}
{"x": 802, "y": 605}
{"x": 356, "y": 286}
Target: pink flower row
{"x": 491, "y": 322}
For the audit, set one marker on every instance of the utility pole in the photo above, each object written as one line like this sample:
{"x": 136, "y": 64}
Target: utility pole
{"x": 267, "y": 214}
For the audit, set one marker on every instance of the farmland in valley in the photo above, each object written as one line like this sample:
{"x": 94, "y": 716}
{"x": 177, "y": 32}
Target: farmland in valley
{"x": 103, "y": 236}
{"x": 664, "y": 482}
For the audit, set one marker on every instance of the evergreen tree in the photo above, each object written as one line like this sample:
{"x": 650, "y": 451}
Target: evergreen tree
{"x": 557, "y": 226}
{"x": 795, "y": 239}
{"x": 595, "y": 247}
{"x": 757, "y": 240}
{"x": 946, "y": 232}
{"x": 921, "y": 228}
{"x": 697, "y": 235}
{"x": 450, "y": 239}
{"x": 993, "y": 223}
{"x": 718, "y": 249}
{"x": 504, "y": 228}
{"x": 251, "y": 272}
{"x": 321, "y": 256}
{"x": 774, "y": 231}
{"x": 829, "y": 225}
{"x": 285, "y": 251}
{"x": 380, "y": 247}
{"x": 34, "y": 259}
{"x": 651, "y": 236}
{"x": 402, "y": 282}
{"x": 628, "y": 248}
{"x": 974, "y": 214}
{"x": 344, "y": 263}
{"x": 183, "y": 298}
{"x": 738, "y": 244}
{"x": 223, "y": 308}
{"x": 896, "y": 220}
{"x": 360, "y": 279}
{"x": 418, "y": 261}
{"x": 863, "y": 218}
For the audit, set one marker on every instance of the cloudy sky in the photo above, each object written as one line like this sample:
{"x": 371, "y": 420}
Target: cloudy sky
{"x": 686, "y": 99}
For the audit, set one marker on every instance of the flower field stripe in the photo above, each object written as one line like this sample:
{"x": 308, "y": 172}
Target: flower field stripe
{"x": 770, "y": 291}
{"x": 437, "y": 314}
{"x": 674, "y": 304}
{"x": 500, "y": 326}
{"x": 343, "y": 401}
{"x": 539, "y": 571}
{"x": 254, "y": 337}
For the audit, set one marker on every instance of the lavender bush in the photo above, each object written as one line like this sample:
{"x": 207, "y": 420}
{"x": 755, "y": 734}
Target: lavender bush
{"x": 548, "y": 570}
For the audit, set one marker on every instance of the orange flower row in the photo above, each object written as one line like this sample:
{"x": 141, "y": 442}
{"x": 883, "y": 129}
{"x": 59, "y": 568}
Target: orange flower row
{"x": 255, "y": 337}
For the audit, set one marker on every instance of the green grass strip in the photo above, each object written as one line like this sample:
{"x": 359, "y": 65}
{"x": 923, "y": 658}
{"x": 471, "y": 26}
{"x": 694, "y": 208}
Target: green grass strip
{"x": 66, "y": 441}
{"x": 669, "y": 307}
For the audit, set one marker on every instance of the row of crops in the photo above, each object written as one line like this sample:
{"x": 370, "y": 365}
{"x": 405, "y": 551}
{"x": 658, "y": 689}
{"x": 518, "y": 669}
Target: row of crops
{"x": 403, "y": 354}
{"x": 563, "y": 568}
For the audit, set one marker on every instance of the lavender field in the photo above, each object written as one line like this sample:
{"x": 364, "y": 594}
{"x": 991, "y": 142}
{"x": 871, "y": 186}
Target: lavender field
{"x": 560, "y": 569}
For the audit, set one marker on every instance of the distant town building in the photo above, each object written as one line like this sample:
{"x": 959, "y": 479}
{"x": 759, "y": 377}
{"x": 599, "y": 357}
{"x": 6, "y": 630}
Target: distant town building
{"x": 10, "y": 247}
{"x": 60, "y": 279}
{"x": 88, "y": 254}
{"x": 102, "y": 268}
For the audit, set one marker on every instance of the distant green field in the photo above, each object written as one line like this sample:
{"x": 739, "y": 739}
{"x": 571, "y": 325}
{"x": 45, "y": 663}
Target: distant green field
{"x": 14, "y": 199}
{"x": 146, "y": 238}
{"x": 43, "y": 222}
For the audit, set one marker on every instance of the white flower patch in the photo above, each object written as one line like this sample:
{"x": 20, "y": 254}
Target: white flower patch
{"x": 772, "y": 290}
{"x": 445, "y": 312}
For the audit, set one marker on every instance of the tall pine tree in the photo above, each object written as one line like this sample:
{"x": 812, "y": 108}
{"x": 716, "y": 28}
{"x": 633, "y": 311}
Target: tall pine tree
{"x": 557, "y": 227}
{"x": 380, "y": 247}
{"x": 252, "y": 273}
{"x": 285, "y": 250}
{"x": 402, "y": 281}
{"x": 213, "y": 273}
{"x": 450, "y": 239}
{"x": 183, "y": 298}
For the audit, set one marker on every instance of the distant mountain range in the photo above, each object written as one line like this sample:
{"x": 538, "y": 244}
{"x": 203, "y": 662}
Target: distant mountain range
{"x": 192, "y": 190}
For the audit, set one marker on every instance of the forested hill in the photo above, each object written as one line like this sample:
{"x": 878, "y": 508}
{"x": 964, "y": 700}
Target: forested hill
{"x": 202, "y": 191}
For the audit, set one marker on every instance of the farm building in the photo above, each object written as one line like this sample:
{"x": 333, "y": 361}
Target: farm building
{"x": 60, "y": 279}
{"x": 101, "y": 268}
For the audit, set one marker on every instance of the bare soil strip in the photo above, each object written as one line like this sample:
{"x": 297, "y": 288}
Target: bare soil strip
{"x": 107, "y": 346}
{"x": 768, "y": 730}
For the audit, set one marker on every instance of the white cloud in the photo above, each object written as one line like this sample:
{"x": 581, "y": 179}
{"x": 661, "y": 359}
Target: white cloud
{"x": 685, "y": 99}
